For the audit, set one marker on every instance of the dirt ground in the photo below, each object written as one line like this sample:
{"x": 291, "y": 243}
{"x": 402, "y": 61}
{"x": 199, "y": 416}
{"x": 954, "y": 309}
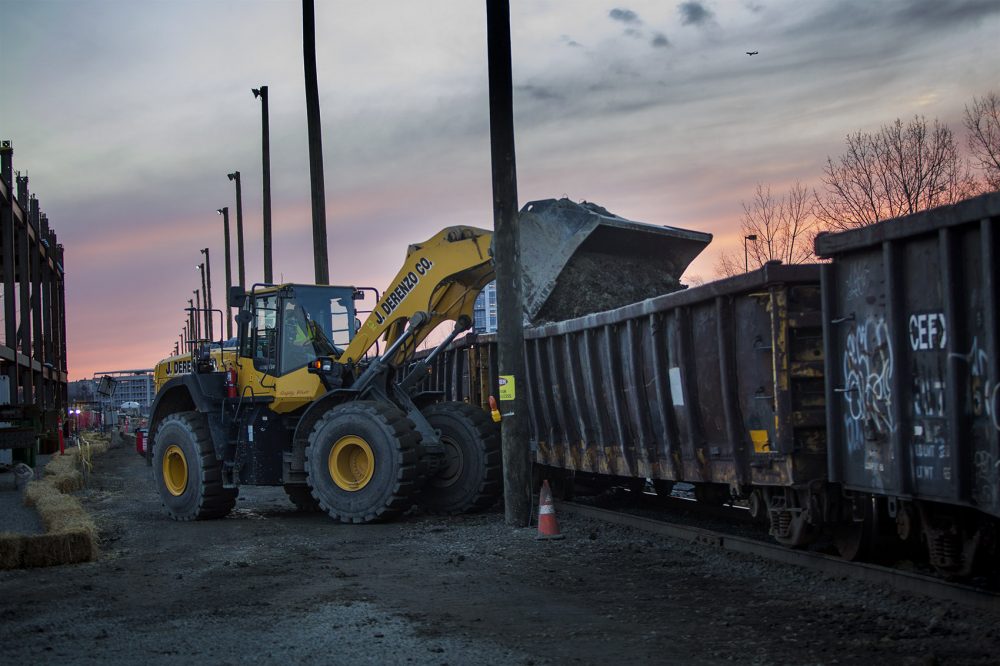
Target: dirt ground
{"x": 269, "y": 585}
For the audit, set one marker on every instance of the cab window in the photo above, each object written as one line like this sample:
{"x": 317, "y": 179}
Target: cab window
{"x": 263, "y": 337}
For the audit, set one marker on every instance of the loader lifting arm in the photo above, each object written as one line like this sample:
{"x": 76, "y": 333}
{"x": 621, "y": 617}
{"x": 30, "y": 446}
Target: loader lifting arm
{"x": 441, "y": 278}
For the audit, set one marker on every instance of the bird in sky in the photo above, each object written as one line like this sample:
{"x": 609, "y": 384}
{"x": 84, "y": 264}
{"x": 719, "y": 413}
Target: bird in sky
{"x": 752, "y": 52}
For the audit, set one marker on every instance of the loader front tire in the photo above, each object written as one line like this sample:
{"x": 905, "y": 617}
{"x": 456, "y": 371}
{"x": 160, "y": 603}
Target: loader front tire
{"x": 188, "y": 475}
{"x": 470, "y": 479}
{"x": 361, "y": 462}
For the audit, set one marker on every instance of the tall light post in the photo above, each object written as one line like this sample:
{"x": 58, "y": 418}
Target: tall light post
{"x": 224, "y": 212}
{"x": 208, "y": 292}
{"x": 266, "y": 158}
{"x": 197, "y": 316}
{"x": 746, "y": 254}
{"x": 321, "y": 262}
{"x": 192, "y": 332}
{"x": 204, "y": 300}
{"x": 239, "y": 228}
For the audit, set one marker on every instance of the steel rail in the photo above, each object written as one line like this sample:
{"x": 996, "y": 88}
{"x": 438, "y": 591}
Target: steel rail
{"x": 903, "y": 581}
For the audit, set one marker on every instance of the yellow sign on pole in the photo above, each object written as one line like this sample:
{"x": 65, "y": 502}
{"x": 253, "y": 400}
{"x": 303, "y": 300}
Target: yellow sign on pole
{"x": 507, "y": 390}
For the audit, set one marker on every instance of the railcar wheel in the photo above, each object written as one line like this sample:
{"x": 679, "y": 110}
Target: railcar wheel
{"x": 470, "y": 478}
{"x": 361, "y": 462}
{"x": 758, "y": 507}
{"x": 855, "y": 537}
{"x": 712, "y": 494}
{"x": 188, "y": 476}
{"x": 663, "y": 488}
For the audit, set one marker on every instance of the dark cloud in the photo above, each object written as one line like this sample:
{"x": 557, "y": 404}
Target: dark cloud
{"x": 902, "y": 17}
{"x": 695, "y": 13}
{"x": 755, "y": 7}
{"x": 541, "y": 93}
{"x": 569, "y": 41}
{"x": 660, "y": 41}
{"x": 942, "y": 14}
{"x": 626, "y": 16}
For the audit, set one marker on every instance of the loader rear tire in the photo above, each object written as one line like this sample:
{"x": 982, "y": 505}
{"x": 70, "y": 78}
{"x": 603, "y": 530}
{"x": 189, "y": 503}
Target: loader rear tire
{"x": 188, "y": 475}
{"x": 470, "y": 480}
{"x": 361, "y": 462}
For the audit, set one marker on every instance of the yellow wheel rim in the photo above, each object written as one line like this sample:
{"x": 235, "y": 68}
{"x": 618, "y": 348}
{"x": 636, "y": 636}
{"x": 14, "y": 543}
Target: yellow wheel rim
{"x": 175, "y": 470}
{"x": 351, "y": 463}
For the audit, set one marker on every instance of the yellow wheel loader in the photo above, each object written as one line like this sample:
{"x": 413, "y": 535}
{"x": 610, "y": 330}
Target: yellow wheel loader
{"x": 310, "y": 399}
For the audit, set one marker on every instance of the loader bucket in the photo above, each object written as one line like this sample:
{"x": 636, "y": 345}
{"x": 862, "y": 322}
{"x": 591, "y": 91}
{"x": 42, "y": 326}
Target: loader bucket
{"x": 577, "y": 258}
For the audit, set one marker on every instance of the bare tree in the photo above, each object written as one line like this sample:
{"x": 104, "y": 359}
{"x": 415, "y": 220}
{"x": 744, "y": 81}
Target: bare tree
{"x": 774, "y": 229}
{"x": 983, "y": 122}
{"x": 898, "y": 170}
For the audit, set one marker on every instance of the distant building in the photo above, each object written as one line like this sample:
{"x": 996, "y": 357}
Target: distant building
{"x": 130, "y": 386}
{"x": 484, "y": 312}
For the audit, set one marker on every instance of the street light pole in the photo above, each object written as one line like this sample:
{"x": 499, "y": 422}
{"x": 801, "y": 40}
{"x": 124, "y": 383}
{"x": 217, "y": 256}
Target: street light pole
{"x": 204, "y": 299}
{"x": 321, "y": 262}
{"x": 746, "y": 256}
{"x": 208, "y": 291}
{"x": 224, "y": 212}
{"x": 239, "y": 228}
{"x": 266, "y": 157}
{"x": 192, "y": 332}
{"x": 197, "y": 316}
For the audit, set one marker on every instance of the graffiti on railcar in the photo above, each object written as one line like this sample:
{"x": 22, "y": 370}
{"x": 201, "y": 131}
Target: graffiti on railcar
{"x": 856, "y": 283}
{"x": 981, "y": 393}
{"x": 868, "y": 369}
{"x": 931, "y": 450}
{"x": 987, "y": 469}
{"x": 982, "y": 403}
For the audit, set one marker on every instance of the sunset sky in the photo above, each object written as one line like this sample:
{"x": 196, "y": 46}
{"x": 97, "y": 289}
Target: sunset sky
{"x": 127, "y": 116}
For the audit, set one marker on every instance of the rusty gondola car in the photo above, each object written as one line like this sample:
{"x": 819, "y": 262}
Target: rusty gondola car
{"x": 720, "y": 386}
{"x": 910, "y": 318}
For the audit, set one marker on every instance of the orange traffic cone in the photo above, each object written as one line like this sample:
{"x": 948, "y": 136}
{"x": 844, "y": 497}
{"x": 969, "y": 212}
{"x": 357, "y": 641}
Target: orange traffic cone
{"x": 548, "y": 528}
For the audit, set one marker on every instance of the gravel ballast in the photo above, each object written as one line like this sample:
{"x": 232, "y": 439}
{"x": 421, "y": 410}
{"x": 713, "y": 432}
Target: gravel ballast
{"x": 269, "y": 585}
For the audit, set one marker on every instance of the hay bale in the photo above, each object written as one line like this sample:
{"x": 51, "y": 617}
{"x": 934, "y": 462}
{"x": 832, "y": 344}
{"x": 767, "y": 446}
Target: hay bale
{"x": 70, "y": 533}
{"x": 11, "y": 546}
{"x": 45, "y": 550}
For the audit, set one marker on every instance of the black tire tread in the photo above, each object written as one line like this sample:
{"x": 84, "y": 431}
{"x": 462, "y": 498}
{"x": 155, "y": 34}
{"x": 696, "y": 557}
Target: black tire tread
{"x": 408, "y": 438}
{"x": 490, "y": 481}
{"x": 216, "y": 501}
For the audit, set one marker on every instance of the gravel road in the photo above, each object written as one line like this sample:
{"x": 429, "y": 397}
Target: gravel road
{"x": 269, "y": 585}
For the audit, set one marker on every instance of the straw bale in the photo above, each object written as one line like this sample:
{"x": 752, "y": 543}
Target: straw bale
{"x": 45, "y": 550}
{"x": 71, "y": 535}
{"x": 11, "y": 546}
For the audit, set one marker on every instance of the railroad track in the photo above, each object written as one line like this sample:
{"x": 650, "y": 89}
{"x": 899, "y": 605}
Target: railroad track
{"x": 905, "y": 581}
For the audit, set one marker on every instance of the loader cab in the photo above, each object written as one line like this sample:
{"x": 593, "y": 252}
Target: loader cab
{"x": 285, "y": 327}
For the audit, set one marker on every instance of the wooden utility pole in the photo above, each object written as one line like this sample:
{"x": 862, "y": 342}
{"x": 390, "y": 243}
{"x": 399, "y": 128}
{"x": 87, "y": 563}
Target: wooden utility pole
{"x": 320, "y": 259}
{"x": 507, "y": 256}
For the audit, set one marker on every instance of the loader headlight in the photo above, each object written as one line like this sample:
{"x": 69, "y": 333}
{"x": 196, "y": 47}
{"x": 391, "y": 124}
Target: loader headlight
{"x": 321, "y": 365}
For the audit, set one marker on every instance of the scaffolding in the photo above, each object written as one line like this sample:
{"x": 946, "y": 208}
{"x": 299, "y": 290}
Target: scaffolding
{"x": 33, "y": 343}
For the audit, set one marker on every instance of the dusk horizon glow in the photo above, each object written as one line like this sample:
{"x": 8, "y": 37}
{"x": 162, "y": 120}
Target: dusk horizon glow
{"x": 127, "y": 117}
